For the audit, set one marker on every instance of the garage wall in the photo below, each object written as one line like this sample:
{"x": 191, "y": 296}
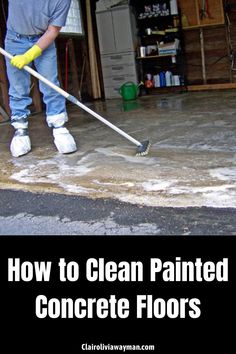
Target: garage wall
{"x": 217, "y": 60}
{"x": 207, "y": 41}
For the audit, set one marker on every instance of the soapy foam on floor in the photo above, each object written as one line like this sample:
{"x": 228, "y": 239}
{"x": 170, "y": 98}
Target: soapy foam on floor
{"x": 77, "y": 189}
{"x": 126, "y": 184}
{"x": 224, "y": 174}
{"x": 156, "y": 185}
{"x": 42, "y": 171}
{"x": 133, "y": 159}
{"x": 153, "y": 192}
{"x": 214, "y": 200}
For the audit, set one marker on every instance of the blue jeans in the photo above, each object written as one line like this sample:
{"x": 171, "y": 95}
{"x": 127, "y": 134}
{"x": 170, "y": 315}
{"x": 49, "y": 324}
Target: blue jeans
{"x": 19, "y": 80}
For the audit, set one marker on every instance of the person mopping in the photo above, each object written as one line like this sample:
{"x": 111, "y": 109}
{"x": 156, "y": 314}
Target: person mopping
{"x": 32, "y": 27}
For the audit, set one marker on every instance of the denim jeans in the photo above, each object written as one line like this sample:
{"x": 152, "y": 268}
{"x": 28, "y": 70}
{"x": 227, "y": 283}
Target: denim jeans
{"x": 19, "y": 80}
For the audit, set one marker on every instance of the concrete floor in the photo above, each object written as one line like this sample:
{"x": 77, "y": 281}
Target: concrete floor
{"x": 192, "y": 160}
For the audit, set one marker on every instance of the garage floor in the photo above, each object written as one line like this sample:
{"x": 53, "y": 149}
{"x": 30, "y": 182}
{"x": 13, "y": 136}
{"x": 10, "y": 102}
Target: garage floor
{"x": 192, "y": 161}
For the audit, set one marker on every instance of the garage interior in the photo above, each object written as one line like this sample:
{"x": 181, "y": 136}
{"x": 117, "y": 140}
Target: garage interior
{"x": 190, "y": 124}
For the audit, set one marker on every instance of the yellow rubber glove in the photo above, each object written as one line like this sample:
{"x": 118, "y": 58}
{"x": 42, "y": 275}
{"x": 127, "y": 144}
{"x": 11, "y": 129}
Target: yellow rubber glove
{"x": 21, "y": 60}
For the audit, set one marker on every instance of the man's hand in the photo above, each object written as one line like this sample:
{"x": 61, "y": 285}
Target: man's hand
{"x": 20, "y": 61}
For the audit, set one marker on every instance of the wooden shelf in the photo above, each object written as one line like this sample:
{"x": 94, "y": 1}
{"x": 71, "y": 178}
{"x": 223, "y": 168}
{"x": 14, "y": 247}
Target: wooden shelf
{"x": 212, "y": 87}
{"x": 212, "y": 15}
{"x": 202, "y": 26}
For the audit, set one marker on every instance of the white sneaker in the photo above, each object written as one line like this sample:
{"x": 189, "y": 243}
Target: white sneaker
{"x": 20, "y": 144}
{"x": 64, "y": 141}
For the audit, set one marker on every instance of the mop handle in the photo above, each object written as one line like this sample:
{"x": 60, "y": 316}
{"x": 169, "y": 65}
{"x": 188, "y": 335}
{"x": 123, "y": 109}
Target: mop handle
{"x": 73, "y": 99}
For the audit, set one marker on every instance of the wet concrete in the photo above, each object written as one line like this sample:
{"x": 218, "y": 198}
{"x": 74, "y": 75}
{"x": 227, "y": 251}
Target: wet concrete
{"x": 192, "y": 160}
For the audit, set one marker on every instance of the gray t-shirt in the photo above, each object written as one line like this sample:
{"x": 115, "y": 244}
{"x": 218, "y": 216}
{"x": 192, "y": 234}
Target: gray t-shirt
{"x": 28, "y": 17}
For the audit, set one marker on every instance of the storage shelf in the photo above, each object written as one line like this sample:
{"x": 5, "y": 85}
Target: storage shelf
{"x": 164, "y": 33}
{"x": 154, "y": 17}
{"x": 156, "y": 56}
{"x": 165, "y": 89}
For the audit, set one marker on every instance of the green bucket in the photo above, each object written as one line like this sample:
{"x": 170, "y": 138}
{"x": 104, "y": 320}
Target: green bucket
{"x": 128, "y": 91}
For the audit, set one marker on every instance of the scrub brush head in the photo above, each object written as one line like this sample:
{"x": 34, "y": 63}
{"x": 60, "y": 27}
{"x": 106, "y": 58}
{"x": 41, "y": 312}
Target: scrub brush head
{"x": 143, "y": 149}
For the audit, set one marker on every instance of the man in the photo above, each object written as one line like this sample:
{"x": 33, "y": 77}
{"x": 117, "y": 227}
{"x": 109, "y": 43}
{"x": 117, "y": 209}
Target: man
{"x": 32, "y": 28}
